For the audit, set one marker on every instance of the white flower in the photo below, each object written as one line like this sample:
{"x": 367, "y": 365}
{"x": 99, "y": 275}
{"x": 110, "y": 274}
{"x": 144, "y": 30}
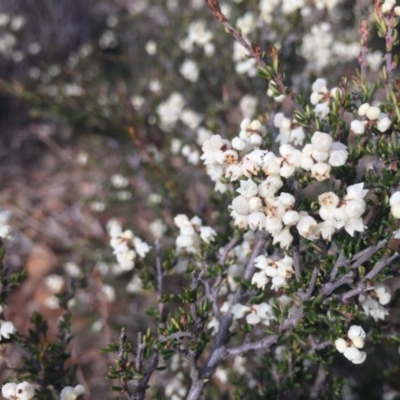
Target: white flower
{"x": 262, "y": 262}
{"x": 373, "y": 113}
{"x": 6, "y": 231}
{"x": 286, "y": 199}
{"x": 340, "y": 345}
{"x": 248, "y": 188}
{"x": 207, "y": 234}
{"x": 119, "y": 181}
{"x": 248, "y": 105}
{"x": 354, "y": 355}
{"x": 321, "y": 141}
{"x": 291, "y": 217}
{"x": 256, "y": 220}
{"x": 240, "y": 205}
{"x": 255, "y": 204}
{"x": 271, "y": 164}
{"x": 238, "y": 144}
{"x": 233, "y": 172}
{"x": 354, "y": 331}
{"x": 322, "y": 110}
{"x": 319, "y": 86}
{"x": 372, "y": 307}
{"x": 328, "y": 200}
{"x": 327, "y": 229}
{"x": 394, "y": 199}
{"x": 273, "y": 225}
{"x": 238, "y": 310}
{"x": 308, "y": 227}
{"x": 284, "y": 238}
{"x": 362, "y": 110}
{"x": 190, "y": 70}
{"x": 358, "y": 127}
{"x": 356, "y": 191}
{"x": 270, "y": 186}
{"x": 259, "y": 279}
{"x": 383, "y": 123}
{"x": 70, "y": 393}
{"x": 358, "y": 342}
{"x": 395, "y": 205}
{"x": 20, "y": 391}
{"x": 383, "y": 292}
{"x": 275, "y": 209}
{"x": 291, "y": 160}
{"x": 338, "y": 154}
{"x": 320, "y": 171}
{"x": 264, "y": 311}
{"x": 7, "y": 328}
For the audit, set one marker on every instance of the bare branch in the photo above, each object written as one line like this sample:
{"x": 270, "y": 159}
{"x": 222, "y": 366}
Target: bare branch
{"x": 329, "y": 288}
{"x": 312, "y": 284}
{"x": 227, "y": 248}
{"x": 364, "y": 255}
{"x": 143, "y": 383}
{"x": 363, "y": 285}
{"x": 261, "y": 345}
{"x": 296, "y": 262}
{"x": 318, "y": 383}
{"x": 139, "y": 355}
{"x": 341, "y": 261}
{"x": 265, "y": 343}
{"x": 380, "y": 265}
{"x": 218, "y": 349}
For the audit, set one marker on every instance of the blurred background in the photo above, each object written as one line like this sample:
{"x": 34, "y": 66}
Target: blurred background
{"x": 104, "y": 105}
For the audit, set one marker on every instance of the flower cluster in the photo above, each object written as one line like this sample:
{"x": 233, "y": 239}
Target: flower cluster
{"x": 72, "y": 393}
{"x": 373, "y": 117}
{"x": 191, "y": 232}
{"x": 198, "y": 35}
{"x": 243, "y": 157}
{"x": 170, "y": 111}
{"x": 350, "y": 348}
{"x": 321, "y": 96}
{"x": 342, "y": 214}
{"x": 256, "y": 313}
{"x": 388, "y": 6}
{"x": 278, "y": 270}
{"x": 395, "y": 205}
{"x": 373, "y": 302}
{"x": 18, "y": 391}
{"x": 127, "y": 247}
{"x": 190, "y": 70}
{"x": 289, "y": 131}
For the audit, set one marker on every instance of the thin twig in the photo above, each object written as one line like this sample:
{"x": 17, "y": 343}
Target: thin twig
{"x": 143, "y": 384}
{"x": 296, "y": 262}
{"x": 312, "y": 284}
{"x": 363, "y": 286}
{"x": 227, "y": 248}
{"x": 318, "y": 383}
{"x": 341, "y": 261}
{"x": 364, "y": 255}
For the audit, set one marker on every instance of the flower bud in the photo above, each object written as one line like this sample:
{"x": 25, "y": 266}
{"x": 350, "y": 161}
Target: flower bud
{"x": 373, "y": 113}
{"x": 340, "y": 345}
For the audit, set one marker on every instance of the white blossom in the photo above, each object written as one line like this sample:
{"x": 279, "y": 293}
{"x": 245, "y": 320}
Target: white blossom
{"x": 20, "y": 391}
{"x": 308, "y": 227}
{"x": 358, "y": 127}
{"x": 72, "y": 393}
{"x": 7, "y": 329}
{"x": 320, "y": 171}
